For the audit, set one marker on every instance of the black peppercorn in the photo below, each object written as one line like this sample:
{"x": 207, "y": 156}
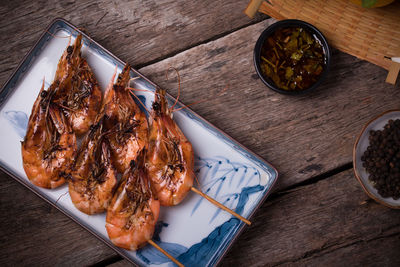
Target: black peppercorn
{"x": 382, "y": 159}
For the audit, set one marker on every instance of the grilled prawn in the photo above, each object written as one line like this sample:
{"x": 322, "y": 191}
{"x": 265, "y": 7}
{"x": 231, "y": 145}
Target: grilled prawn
{"x": 133, "y": 212}
{"x": 170, "y": 157}
{"x": 126, "y": 123}
{"x": 49, "y": 145}
{"x": 81, "y": 95}
{"x": 93, "y": 178}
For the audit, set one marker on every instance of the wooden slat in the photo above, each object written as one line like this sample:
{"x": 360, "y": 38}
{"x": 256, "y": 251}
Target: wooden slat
{"x": 121, "y": 263}
{"x": 378, "y": 252}
{"x": 323, "y": 224}
{"x": 302, "y": 136}
{"x": 326, "y": 223}
{"x": 136, "y": 31}
{"x": 34, "y": 233}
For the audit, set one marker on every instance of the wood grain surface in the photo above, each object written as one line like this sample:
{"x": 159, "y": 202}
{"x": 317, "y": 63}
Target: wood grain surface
{"x": 303, "y": 136}
{"x": 319, "y": 224}
{"x": 146, "y": 32}
{"x": 312, "y": 218}
{"x": 328, "y": 222}
{"x": 35, "y": 233}
{"x": 139, "y": 32}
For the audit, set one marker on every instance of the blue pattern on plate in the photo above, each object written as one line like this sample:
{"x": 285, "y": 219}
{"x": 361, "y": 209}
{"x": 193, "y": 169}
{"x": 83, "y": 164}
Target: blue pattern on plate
{"x": 150, "y": 255}
{"x": 19, "y": 121}
{"x": 142, "y": 99}
{"x": 198, "y": 252}
{"x": 221, "y": 169}
{"x": 211, "y": 244}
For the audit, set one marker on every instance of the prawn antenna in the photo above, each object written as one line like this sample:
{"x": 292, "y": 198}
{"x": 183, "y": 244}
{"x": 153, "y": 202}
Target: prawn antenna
{"x": 179, "y": 84}
{"x": 138, "y": 99}
{"x": 201, "y": 101}
{"x": 62, "y": 106}
{"x": 142, "y": 90}
{"x": 131, "y": 89}
{"x": 133, "y": 79}
{"x": 61, "y": 197}
{"x": 62, "y": 37}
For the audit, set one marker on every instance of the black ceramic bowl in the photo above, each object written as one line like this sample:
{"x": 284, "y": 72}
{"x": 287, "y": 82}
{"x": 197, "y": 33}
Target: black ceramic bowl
{"x": 284, "y": 24}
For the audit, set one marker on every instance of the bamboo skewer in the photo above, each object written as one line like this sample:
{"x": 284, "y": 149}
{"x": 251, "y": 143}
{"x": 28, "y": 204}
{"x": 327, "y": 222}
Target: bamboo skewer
{"x": 151, "y": 242}
{"x": 219, "y": 205}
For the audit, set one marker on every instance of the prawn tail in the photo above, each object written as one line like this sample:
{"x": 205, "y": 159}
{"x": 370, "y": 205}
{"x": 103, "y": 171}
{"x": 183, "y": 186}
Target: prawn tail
{"x": 124, "y": 77}
{"x": 77, "y": 46}
{"x": 111, "y": 83}
{"x": 70, "y": 58}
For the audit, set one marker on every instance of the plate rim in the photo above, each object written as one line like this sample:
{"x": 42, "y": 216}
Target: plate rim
{"x": 356, "y": 174}
{"x": 4, "y": 95}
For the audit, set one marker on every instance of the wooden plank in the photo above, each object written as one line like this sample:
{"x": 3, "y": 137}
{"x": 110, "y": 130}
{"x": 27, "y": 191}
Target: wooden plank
{"x": 323, "y": 224}
{"x": 34, "y": 233}
{"x": 302, "y": 136}
{"x": 328, "y": 222}
{"x": 378, "y": 252}
{"x": 136, "y": 31}
{"x": 121, "y": 263}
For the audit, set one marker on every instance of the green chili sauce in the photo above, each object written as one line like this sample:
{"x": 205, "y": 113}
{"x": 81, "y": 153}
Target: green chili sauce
{"x": 292, "y": 58}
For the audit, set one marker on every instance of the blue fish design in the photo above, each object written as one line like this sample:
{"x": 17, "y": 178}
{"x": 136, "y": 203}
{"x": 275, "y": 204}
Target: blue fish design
{"x": 149, "y": 254}
{"x": 197, "y": 254}
{"x": 220, "y": 170}
{"x": 19, "y": 121}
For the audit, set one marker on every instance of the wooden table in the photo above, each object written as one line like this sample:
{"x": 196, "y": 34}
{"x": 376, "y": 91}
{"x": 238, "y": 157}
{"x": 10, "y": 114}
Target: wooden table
{"x": 318, "y": 213}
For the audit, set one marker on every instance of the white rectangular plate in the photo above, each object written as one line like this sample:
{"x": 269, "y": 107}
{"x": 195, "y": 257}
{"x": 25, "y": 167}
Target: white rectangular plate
{"x": 195, "y": 232}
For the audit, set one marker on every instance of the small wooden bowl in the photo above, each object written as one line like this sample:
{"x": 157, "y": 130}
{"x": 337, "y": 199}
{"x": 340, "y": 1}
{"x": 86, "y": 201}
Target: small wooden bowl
{"x": 360, "y": 146}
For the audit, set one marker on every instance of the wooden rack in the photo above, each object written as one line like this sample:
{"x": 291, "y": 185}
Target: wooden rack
{"x": 370, "y": 34}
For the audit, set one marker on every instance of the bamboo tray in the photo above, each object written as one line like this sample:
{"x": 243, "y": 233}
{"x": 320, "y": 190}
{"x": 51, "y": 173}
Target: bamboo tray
{"x": 369, "y": 34}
